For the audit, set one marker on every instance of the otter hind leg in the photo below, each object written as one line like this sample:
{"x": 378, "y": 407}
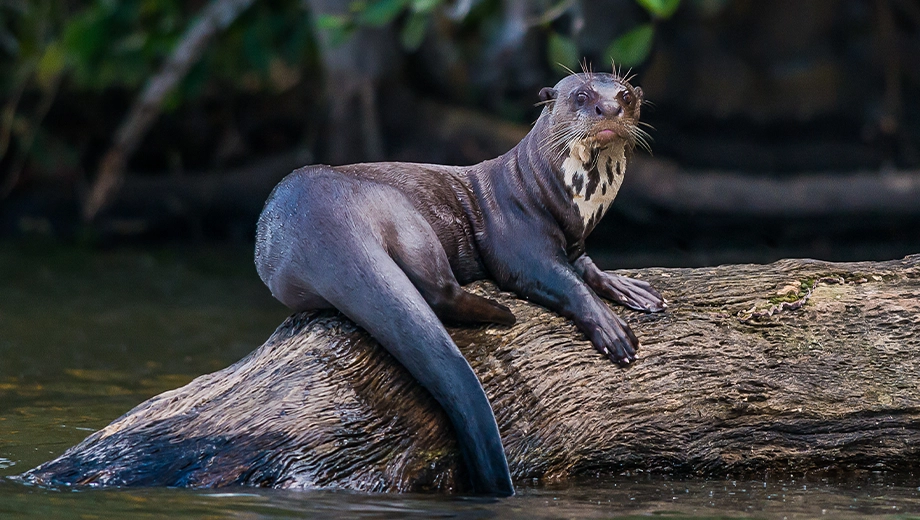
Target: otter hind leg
{"x": 452, "y": 304}
{"x": 467, "y": 308}
{"x": 417, "y": 251}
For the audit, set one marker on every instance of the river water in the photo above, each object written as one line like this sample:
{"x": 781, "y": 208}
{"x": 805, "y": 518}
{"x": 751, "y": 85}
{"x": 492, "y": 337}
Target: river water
{"x": 85, "y": 335}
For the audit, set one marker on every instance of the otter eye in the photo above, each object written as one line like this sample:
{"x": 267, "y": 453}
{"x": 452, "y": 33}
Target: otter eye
{"x": 627, "y": 97}
{"x": 581, "y": 98}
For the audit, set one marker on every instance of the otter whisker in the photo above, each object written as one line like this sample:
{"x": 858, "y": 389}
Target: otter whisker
{"x": 561, "y": 135}
{"x": 568, "y": 147}
{"x": 570, "y": 71}
{"x": 551, "y": 138}
{"x": 594, "y": 158}
{"x": 628, "y": 76}
{"x": 574, "y": 134}
{"x": 560, "y": 147}
{"x": 645, "y": 146}
{"x": 645, "y": 135}
{"x": 564, "y": 141}
{"x": 641, "y": 138}
{"x": 556, "y": 140}
{"x": 635, "y": 128}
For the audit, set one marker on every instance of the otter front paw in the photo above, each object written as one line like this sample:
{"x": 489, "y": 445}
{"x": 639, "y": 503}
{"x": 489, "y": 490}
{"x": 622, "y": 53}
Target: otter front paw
{"x": 615, "y": 340}
{"x": 638, "y": 295}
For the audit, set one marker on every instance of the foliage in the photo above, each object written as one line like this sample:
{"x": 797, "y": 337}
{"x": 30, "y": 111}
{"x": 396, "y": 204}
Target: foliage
{"x": 633, "y": 47}
{"x": 663, "y": 9}
{"x": 563, "y": 50}
{"x": 103, "y": 44}
{"x": 89, "y": 47}
{"x": 99, "y": 45}
{"x": 118, "y": 43}
{"x": 412, "y": 17}
{"x": 415, "y": 14}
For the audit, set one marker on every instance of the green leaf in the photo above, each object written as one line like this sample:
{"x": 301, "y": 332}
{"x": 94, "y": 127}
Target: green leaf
{"x": 382, "y": 12}
{"x": 632, "y": 48}
{"x": 424, "y": 6}
{"x": 562, "y": 50}
{"x": 84, "y": 38}
{"x": 50, "y": 65}
{"x": 257, "y": 53}
{"x": 413, "y": 33}
{"x": 134, "y": 42}
{"x": 331, "y": 22}
{"x": 338, "y": 27}
{"x": 662, "y": 9}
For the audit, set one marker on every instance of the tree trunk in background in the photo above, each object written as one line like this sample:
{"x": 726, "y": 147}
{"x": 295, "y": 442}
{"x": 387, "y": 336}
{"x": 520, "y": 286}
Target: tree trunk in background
{"x": 354, "y": 69}
{"x": 795, "y": 367}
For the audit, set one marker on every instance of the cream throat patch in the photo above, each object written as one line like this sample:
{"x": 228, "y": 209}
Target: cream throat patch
{"x": 593, "y": 176}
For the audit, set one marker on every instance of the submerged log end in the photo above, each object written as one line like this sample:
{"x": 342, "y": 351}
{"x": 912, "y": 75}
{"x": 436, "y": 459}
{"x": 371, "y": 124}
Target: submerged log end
{"x": 799, "y": 366}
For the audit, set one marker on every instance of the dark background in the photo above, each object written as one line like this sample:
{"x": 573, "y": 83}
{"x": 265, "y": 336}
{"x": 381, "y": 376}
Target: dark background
{"x": 781, "y": 128}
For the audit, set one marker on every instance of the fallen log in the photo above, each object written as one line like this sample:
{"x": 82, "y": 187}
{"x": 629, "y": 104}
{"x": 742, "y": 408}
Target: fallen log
{"x": 657, "y": 183}
{"x": 796, "y": 367}
{"x": 455, "y": 135}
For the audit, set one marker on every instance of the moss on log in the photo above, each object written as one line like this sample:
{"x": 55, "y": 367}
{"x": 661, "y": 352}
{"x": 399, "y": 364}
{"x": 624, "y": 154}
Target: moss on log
{"x": 799, "y": 366}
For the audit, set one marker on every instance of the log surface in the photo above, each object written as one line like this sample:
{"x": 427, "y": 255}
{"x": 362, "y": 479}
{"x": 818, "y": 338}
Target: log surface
{"x": 799, "y": 366}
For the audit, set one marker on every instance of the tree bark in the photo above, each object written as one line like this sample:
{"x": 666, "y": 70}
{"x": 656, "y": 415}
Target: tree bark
{"x": 796, "y": 367}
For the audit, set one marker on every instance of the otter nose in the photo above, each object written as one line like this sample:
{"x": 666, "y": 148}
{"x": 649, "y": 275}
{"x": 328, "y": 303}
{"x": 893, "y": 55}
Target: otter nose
{"x": 610, "y": 109}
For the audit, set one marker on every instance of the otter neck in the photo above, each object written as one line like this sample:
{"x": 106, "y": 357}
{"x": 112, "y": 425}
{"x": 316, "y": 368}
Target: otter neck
{"x": 593, "y": 176}
{"x": 577, "y": 180}
{"x": 542, "y": 181}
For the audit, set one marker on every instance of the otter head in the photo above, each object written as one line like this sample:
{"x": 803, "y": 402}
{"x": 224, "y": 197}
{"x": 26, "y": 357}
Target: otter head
{"x": 597, "y": 108}
{"x": 593, "y": 126}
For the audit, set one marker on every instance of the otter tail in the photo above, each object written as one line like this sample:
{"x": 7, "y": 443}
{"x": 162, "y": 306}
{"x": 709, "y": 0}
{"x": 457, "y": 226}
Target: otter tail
{"x": 379, "y": 297}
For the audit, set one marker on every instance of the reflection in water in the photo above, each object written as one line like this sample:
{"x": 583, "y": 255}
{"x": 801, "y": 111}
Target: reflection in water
{"x": 622, "y": 498}
{"x": 85, "y": 336}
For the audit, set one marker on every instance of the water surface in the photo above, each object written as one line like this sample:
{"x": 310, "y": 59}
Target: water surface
{"x": 85, "y": 335}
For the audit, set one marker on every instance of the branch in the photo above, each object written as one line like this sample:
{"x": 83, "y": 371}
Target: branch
{"x": 663, "y": 184}
{"x": 216, "y": 16}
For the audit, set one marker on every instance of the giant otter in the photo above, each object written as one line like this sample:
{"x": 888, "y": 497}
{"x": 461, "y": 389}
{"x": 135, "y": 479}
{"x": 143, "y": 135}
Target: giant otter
{"x": 390, "y": 244}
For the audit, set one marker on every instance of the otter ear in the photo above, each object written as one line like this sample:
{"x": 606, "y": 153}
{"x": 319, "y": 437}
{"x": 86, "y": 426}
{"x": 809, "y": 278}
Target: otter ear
{"x": 639, "y": 92}
{"x": 547, "y": 93}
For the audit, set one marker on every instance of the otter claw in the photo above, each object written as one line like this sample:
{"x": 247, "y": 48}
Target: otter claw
{"x": 615, "y": 341}
{"x": 634, "y": 294}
